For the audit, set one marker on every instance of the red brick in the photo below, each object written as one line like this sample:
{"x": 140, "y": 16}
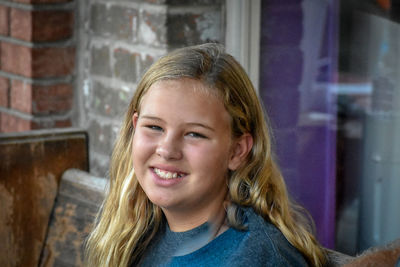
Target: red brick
{"x": 16, "y": 59}
{"x": 40, "y": 26}
{"x": 37, "y": 62}
{"x": 57, "y": 90}
{"x": 46, "y": 106}
{"x": 52, "y": 61}
{"x": 63, "y": 124}
{"x": 52, "y": 99}
{"x": 52, "y": 25}
{"x": 21, "y": 24}
{"x": 41, "y": 100}
{"x": 4, "y": 11}
{"x": 41, "y": 1}
{"x": 4, "y": 86}
{"x": 10, "y": 123}
{"x": 48, "y": 124}
{"x": 21, "y": 96}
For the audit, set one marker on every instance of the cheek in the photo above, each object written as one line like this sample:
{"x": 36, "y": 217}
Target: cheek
{"x": 210, "y": 159}
{"x": 142, "y": 149}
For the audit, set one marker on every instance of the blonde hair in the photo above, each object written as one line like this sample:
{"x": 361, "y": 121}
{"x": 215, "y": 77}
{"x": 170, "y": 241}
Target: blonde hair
{"x": 128, "y": 221}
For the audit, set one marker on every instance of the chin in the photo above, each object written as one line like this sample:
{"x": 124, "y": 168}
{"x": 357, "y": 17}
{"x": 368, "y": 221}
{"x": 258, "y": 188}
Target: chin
{"x": 162, "y": 202}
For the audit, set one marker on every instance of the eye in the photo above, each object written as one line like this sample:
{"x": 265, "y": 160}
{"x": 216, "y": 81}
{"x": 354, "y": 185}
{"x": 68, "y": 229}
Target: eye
{"x": 196, "y": 135}
{"x": 154, "y": 127}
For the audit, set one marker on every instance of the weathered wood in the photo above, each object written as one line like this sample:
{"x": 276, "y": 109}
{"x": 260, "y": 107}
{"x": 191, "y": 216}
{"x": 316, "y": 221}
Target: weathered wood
{"x": 31, "y": 165}
{"x": 77, "y": 203}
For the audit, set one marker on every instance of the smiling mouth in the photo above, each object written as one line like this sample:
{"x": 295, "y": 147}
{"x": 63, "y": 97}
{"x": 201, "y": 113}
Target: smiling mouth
{"x": 167, "y": 175}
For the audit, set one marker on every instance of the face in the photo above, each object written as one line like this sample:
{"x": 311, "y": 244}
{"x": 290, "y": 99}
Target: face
{"x": 182, "y": 146}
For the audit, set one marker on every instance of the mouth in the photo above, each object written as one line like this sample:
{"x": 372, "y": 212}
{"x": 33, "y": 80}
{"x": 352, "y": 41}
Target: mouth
{"x": 167, "y": 175}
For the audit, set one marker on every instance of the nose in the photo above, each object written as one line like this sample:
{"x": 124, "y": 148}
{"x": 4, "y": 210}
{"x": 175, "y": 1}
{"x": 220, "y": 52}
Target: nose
{"x": 169, "y": 148}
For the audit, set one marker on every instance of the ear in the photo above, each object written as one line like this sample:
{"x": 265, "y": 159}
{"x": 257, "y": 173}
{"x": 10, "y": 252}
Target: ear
{"x": 241, "y": 148}
{"x": 135, "y": 118}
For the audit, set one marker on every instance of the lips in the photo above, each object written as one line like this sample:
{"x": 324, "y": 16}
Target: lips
{"x": 167, "y": 175}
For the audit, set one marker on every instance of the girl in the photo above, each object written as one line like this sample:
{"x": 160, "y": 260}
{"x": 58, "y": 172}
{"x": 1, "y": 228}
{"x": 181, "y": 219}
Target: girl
{"x": 193, "y": 181}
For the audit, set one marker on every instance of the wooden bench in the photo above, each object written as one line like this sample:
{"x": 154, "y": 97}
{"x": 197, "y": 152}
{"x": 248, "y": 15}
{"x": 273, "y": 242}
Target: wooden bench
{"x": 31, "y": 167}
{"x": 77, "y": 203}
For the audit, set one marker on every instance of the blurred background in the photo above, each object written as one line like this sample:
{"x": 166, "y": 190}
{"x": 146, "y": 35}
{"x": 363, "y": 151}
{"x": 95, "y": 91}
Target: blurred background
{"x": 327, "y": 72}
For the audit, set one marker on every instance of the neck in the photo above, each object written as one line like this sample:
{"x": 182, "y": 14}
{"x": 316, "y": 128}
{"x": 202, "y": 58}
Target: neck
{"x": 180, "y": 221}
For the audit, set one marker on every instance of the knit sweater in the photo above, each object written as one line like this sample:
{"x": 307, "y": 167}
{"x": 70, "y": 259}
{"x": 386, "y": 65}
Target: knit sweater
{"x": 261, "y": 244}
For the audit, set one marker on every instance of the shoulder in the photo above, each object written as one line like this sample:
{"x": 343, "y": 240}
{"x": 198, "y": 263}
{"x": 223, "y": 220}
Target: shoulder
{"x": 265, "y": 245}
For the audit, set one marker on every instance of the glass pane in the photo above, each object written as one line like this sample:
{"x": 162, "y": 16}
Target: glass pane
{"x": 368, "y": 150}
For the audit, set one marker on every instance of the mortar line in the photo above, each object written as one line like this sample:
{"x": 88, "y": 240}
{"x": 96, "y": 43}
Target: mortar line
{"x": 63, "y": 43}
{"x": 38, "y": 7}
{"x": 37, "y": 81}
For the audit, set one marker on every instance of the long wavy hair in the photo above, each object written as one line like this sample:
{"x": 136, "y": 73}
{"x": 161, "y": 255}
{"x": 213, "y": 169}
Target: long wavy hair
{"x": 128, "y": 221}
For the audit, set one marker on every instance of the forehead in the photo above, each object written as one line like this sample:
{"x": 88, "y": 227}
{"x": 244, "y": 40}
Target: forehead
{"x": 184, "y": 86}
{"x": 184, "y": 98}
{"x": 192, "y": 85}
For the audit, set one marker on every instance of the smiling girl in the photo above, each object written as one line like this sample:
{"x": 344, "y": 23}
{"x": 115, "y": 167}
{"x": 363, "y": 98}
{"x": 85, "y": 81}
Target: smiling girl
{"x": 193, "y": 181}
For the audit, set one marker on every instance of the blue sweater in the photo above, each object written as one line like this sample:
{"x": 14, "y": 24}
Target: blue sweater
{"x": 261, "y": 244}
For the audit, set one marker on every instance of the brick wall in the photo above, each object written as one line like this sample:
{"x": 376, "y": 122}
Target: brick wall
{"x": 118, "y": 41}
{"x": 37, "y": 57}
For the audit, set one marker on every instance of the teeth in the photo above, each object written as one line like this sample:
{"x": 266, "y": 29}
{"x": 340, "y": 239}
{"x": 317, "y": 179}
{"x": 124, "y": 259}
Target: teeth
{"x": 166, "y": 174}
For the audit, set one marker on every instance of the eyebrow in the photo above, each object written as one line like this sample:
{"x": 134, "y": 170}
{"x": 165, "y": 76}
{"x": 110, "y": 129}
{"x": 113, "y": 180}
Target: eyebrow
{"x": 150, "y": 117}
{"x": 201, "y": 125}
{"x": 196, "y": 124}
